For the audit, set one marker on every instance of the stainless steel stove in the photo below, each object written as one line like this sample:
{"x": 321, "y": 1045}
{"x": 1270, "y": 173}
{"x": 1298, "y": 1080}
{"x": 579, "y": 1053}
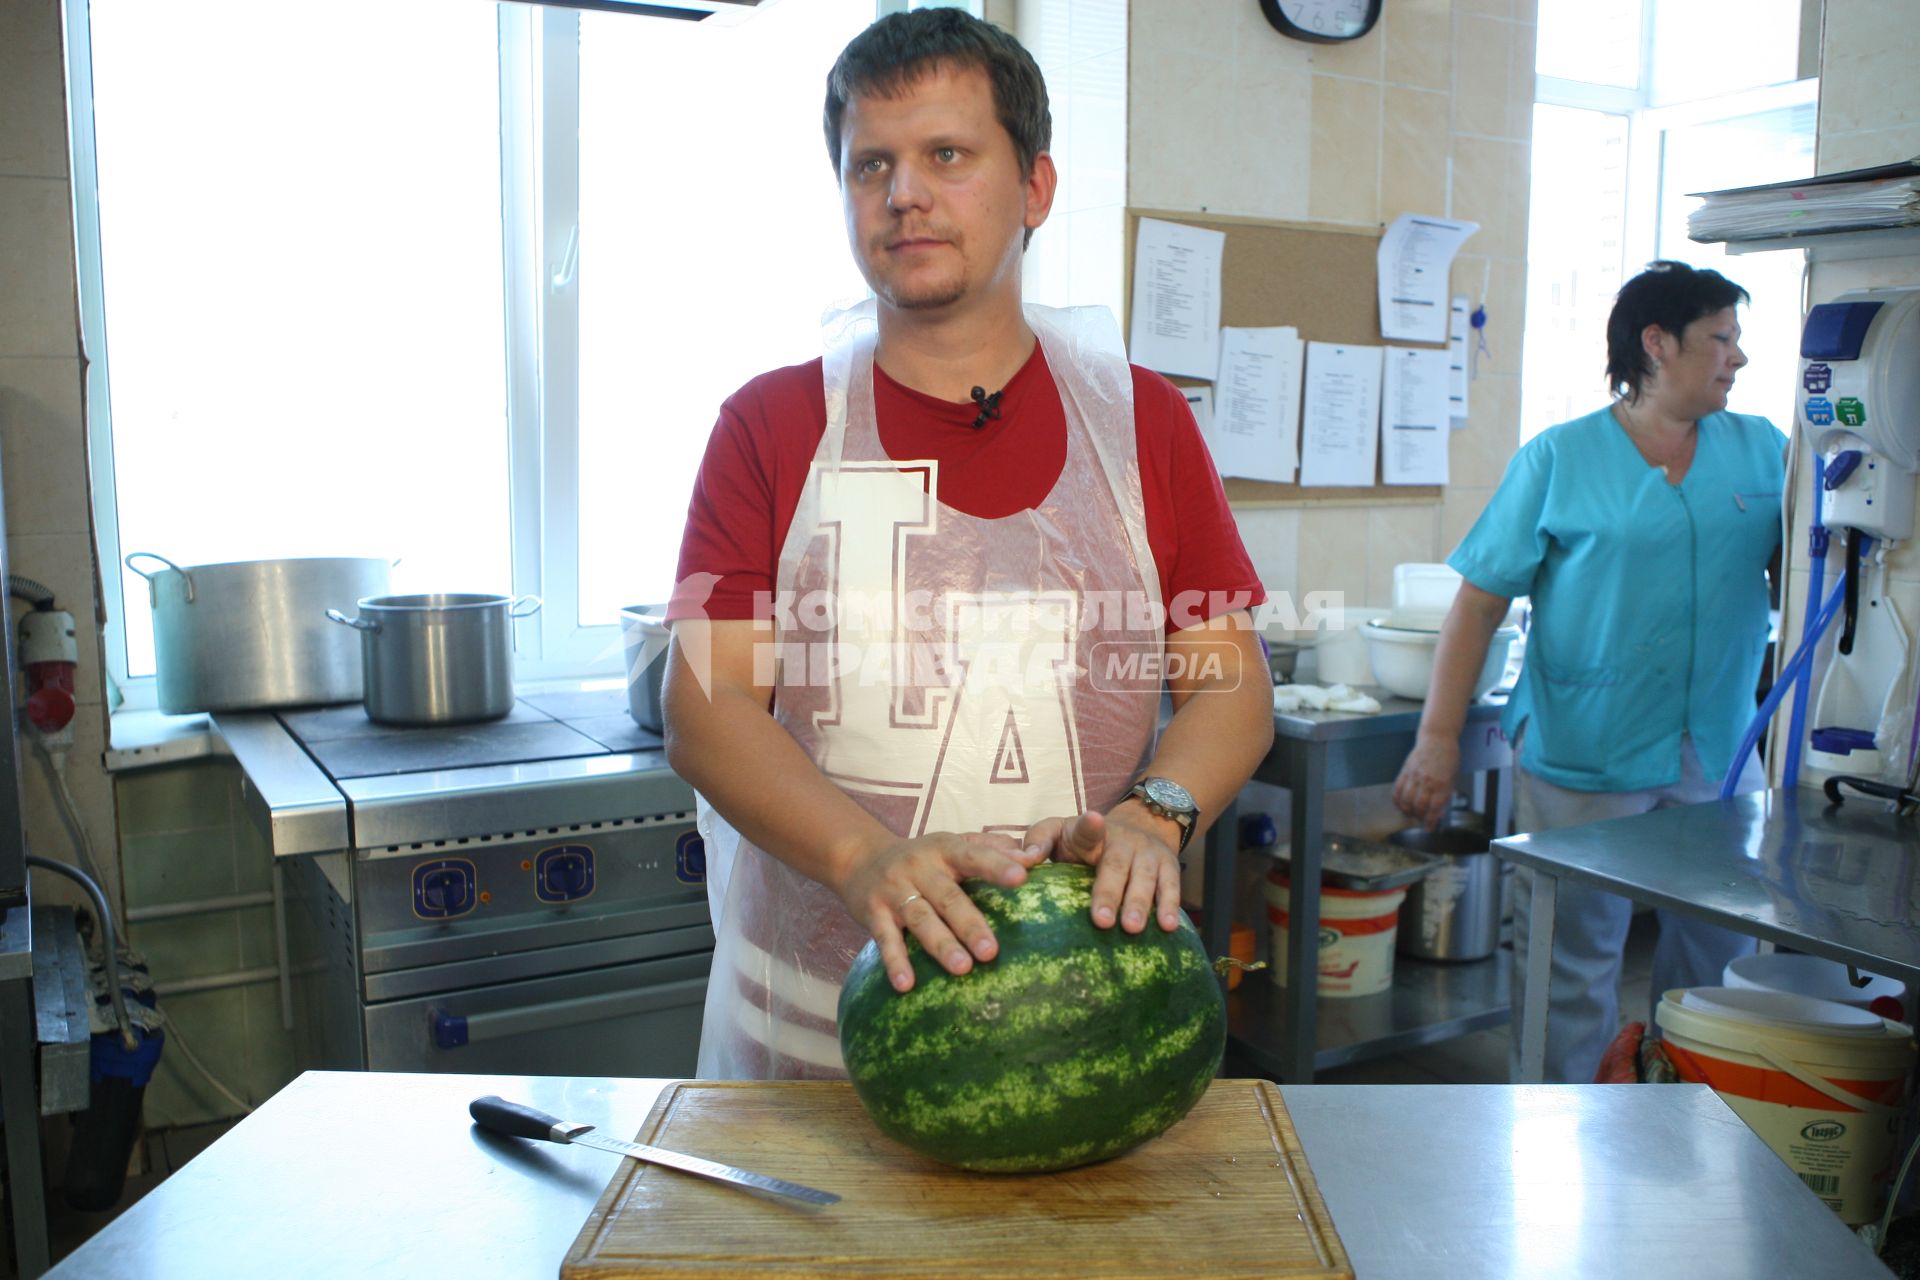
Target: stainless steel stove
{"x": 525, "y": 896}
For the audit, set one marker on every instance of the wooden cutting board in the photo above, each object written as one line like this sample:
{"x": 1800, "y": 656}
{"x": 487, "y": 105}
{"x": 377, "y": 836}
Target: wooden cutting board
{"x": 1226, "y": 1192}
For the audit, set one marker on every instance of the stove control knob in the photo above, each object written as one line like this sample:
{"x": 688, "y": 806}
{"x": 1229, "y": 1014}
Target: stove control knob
{"x": 563, "y": 873}
{"x": 444, "y": 889}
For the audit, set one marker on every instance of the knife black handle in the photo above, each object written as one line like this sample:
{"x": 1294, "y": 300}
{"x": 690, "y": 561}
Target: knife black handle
{"x": 496, "y": 1113}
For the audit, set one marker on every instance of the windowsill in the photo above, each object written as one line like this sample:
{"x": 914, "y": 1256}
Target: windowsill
{"x": 146, "y": 738}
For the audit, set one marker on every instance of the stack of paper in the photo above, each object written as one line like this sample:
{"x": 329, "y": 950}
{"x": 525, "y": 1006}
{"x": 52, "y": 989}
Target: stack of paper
{"x": 1863, "y": 199}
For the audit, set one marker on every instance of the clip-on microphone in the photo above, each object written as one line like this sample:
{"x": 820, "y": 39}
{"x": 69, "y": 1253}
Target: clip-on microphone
{"x": 989, "y": 406}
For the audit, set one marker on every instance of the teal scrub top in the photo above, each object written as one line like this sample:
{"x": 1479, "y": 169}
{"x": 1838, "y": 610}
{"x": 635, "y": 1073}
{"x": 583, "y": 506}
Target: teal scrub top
{"x": 1649, "y": 599}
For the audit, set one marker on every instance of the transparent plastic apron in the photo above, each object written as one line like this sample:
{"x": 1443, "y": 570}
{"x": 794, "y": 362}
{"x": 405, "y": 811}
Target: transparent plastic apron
{"x": 934, "y": 666}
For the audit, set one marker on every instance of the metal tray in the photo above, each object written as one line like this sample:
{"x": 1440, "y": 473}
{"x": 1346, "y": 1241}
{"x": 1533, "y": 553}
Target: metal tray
{"x": 1368, "y": 866}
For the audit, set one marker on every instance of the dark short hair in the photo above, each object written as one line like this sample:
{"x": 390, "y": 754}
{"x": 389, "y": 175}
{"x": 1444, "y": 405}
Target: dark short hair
{"x": 1671, "y": 295}
{"x": 897, "y": 50}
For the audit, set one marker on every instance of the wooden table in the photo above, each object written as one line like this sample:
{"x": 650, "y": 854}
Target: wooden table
{"x": 373, "y": 1175}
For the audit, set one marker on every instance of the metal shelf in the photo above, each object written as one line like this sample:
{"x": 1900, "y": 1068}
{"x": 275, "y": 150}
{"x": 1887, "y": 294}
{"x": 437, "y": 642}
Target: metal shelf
{"x": 1834, "y": 246}
{"x": 1428, "y": 1002}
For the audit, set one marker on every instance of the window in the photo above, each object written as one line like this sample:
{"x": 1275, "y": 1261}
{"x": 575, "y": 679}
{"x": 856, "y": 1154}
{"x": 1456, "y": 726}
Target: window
{"x": 303, "y": 326}
{"x": 750, "y": 187}
{"x": 457, "y": 284}
{"x": 1638, "y": 104}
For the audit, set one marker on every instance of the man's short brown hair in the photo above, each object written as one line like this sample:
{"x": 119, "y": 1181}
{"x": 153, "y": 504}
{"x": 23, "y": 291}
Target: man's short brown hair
{"x": 901, "y": 47}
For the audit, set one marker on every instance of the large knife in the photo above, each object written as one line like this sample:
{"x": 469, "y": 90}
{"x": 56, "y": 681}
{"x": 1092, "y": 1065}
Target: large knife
{"x": 514, "y": 1120}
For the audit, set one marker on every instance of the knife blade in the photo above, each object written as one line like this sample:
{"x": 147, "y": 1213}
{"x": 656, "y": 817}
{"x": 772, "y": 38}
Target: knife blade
{"x": 518, "y": 1121}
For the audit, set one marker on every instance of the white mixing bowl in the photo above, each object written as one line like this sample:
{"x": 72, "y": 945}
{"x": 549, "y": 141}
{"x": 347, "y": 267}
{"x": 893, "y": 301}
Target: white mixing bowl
{"x": 1402, "y": 658}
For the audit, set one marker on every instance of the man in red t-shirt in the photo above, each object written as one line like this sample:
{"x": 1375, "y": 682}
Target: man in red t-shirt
{"x": 921, "y": 629}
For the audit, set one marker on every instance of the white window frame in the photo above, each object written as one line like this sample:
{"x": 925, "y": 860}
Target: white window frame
{"x": 1647, "y": 131}
{"x": 539, "y": 71}
{"x": 1647, "y": 128}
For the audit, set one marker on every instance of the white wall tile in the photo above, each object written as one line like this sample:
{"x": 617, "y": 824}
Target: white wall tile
{"x": 1459, "y": 508}
{"x": 33, "y": 120}
{"x": 1180, "y": 127}
{"x": 1272, "y": 538}
{"x": 1490, "y": 188}
{"x": 92, "y": 791}
{"x": 1482, "y": 71}
{"x": 39, "y": 314}
{"x": 1157, "y": 28}
{"x": 1419, "y": 43}
{"x": 1870, "y": 50}
{"x": 1413, "y": 159}
{"x": 1345, "y": 180}
{"x": 1478, "y": 454}
{"x": 1271, "y": 169}
{"x": 43, "y": 445}
{"x": 1333, "y": 552}
{"x": 1399, "y": 535}
{"x": 1869, "y": 147}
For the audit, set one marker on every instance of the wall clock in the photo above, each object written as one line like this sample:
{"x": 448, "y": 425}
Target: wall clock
{"x": 1322, "y": 21}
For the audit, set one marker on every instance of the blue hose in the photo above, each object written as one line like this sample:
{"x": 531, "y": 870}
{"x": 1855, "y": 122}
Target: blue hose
{"x": 1797, "y": 668}
{"x": 1817, "y": 551}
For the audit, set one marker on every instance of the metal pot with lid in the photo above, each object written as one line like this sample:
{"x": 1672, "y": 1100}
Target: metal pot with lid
{"x": 1454, "y": 913}
{"x": 437, "y": 659}
{"x": 251, "y": 634}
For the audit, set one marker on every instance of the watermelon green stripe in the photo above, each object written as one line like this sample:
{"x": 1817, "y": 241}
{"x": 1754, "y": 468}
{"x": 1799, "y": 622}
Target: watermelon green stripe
{"x": 1074, "y": 1045}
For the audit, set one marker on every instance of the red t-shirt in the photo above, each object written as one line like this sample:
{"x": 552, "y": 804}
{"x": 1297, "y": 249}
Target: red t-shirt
{"x": 757, "y": 460}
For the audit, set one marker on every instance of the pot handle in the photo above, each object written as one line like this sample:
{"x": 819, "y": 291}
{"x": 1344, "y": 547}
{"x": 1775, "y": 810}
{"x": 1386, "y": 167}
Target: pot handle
{"x": 358, "y": 624}
{"x": 153, "y": 595}
{"x": 517, "y": 612}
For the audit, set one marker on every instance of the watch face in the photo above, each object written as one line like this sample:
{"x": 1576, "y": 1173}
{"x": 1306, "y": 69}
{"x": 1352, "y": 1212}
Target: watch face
{"x": 1170, "y": 794}
{"x": 1323, "y": 21}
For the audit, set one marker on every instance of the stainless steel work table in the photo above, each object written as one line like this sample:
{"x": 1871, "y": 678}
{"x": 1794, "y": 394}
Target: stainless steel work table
{"x": 1288, "y": 1032}
{"x": 348, "y": 1174}
{"x": 1783, "y": 865}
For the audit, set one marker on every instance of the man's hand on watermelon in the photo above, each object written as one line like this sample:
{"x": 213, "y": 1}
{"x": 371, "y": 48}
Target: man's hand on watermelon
{"x": 1135, "y": 868}
{"x": 913, "y": 887}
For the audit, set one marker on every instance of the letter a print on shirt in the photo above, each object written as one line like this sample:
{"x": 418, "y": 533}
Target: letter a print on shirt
{"x": 994, "y": 725}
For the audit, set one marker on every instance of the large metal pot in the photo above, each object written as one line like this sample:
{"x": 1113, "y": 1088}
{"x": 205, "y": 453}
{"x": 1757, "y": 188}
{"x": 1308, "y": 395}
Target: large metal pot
{"x": 1454, "y": 912}
{"x": 250, "y": 634}
{"x": 437, "y": 659}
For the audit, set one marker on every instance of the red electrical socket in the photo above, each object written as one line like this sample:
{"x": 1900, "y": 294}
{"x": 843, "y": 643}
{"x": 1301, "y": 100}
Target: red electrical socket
{"x": 50, "y": 655}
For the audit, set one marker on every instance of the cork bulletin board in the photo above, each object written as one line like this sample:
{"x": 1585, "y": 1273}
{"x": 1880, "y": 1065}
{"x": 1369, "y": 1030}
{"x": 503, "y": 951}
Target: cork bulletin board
{"x": 1317, "y": 278}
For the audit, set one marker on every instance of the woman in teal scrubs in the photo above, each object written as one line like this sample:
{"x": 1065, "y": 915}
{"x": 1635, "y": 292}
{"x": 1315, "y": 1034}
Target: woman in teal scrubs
{"x": 1642, "y": 533}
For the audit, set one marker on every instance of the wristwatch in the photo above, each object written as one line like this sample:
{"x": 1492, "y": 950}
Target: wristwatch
{"x": 1166, "y": 798}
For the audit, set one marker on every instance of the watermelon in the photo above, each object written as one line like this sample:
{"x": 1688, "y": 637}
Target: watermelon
{"x": 1072, "y": 1045}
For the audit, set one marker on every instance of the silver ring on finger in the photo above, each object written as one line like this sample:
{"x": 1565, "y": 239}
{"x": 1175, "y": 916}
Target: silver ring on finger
{"x": 902, "y": 908}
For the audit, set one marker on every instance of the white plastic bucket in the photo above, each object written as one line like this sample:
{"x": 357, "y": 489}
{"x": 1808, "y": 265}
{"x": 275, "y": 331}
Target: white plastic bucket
{"x": 1356, "y": 938}
{"x": 1821, "y": 1083}
{"x": 1820, "y": 978}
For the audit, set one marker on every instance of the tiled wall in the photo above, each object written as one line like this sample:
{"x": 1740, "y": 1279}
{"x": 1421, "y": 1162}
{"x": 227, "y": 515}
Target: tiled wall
{"x": 1430, "y": 113}
{"x": 42, "y": 439}
{"x": 1869, "y": 115}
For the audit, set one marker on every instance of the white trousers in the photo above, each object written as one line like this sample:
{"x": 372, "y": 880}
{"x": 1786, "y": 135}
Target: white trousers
{"x": 1590, "y": 925}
